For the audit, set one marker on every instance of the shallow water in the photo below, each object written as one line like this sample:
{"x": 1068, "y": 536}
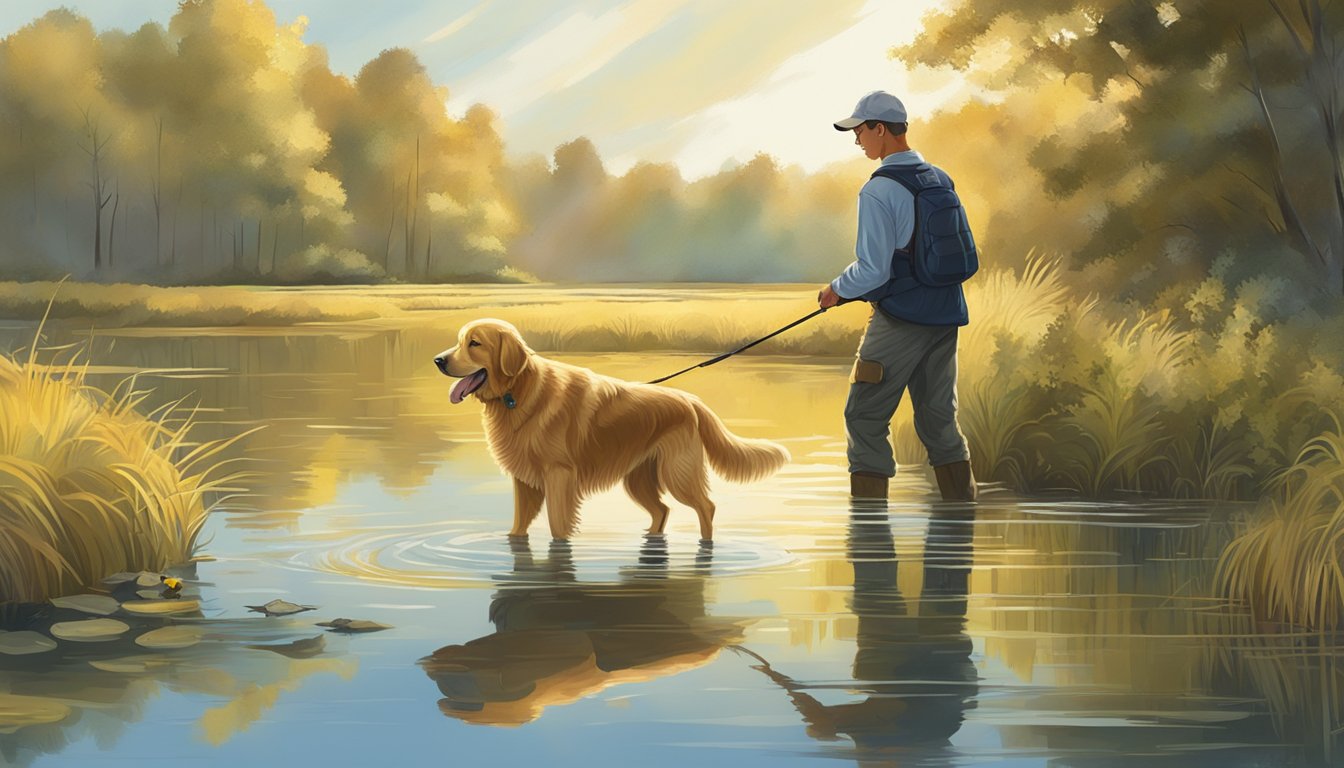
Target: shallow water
{"x": 1027, "y": 632}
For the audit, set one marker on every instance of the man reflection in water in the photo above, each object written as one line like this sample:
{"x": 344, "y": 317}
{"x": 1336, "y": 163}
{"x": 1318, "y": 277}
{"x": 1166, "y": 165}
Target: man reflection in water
{"x": 914, "y": 668}
{"x": 558, "y": 640}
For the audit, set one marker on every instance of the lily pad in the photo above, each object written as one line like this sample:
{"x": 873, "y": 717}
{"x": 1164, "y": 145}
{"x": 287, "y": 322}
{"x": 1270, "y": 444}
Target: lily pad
{"x": 160, "y": 607}
{"x": 132, "y": 665}
{"x": 166, "y": 638}
{"x": 89, "y": 630}
{"x": 24, "y": 643}
{"x": 353, "y": 625}
{"x": 98, "y": 605}
{"x": 281, "y": 608}
{"x": 19, "y": 711}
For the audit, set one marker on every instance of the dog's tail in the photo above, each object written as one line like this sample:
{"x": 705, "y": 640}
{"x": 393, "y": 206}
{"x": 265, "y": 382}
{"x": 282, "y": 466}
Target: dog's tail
{"x": 736, "y": 458}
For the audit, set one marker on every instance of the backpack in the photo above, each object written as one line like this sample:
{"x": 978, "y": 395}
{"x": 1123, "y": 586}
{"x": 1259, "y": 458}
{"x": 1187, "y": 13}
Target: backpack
{"x": 941, "y": 250}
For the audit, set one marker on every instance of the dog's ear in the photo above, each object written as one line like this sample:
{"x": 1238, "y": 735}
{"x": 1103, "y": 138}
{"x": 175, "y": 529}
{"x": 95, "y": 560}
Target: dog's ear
{"x": 511, "y": 355}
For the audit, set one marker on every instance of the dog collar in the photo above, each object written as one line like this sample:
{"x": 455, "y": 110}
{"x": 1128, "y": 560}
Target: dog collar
{"x": 509, "y": 402}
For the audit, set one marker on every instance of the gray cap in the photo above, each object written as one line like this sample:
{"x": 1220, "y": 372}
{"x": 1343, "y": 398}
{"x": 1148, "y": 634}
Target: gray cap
{"x": 878, "y": 105}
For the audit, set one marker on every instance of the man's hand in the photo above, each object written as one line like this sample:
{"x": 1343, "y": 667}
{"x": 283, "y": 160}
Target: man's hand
{"x": 827, "y": 298}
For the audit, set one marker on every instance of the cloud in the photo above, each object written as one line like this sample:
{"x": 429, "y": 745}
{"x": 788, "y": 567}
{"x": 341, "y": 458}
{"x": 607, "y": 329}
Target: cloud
{"x": 790, "y": 114}
{"x": 458, "y": 24}
{"x": 562, "y": 55}
{"x": 631, "y": 94}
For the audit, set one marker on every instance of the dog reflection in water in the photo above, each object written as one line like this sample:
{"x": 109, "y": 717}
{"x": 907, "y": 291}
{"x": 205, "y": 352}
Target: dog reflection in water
{"x": 558, "y": 640}
{"x": 912, "y": 668}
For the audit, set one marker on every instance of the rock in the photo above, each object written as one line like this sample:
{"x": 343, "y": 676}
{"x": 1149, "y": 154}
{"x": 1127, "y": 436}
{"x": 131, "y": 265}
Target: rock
{"x": 142, "y": 579}
{"x": 281, "y": 608}
{"x": 353, "y": 625}
{"x": 98, "y": 605}
{"x": 299, "y": 649}
{"x": 24, "y": 643}
{"x": 89, "y": 630}
{"x": 160, "y": 607}
{"x": 169, "y": 637}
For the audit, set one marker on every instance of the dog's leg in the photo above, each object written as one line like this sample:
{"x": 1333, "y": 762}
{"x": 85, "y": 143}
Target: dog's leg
{"x": 526, "y": 504}
{"x": 642, "y": 485}
{"x": 689, "y": 483}
{"x": 562, "y": 501}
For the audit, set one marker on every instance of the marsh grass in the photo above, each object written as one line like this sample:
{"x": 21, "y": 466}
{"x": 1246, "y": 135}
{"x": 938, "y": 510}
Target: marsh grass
{"x": 88, "y": 485}
{"x": 119, "y": 305}
{"x": 1288, "y": 565}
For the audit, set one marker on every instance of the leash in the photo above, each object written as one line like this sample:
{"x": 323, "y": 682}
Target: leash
{"x": 727, "y": 355}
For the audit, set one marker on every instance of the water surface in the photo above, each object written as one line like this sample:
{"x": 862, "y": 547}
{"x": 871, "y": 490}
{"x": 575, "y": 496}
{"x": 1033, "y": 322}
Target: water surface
{"x": 1028, "y": 632}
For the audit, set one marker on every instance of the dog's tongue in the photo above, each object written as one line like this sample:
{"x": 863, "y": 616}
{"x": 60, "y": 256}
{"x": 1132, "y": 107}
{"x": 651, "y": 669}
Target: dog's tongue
{"x": 467, "y": 385}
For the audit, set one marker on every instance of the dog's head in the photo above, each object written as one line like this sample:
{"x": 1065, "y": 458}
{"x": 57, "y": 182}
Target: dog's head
{"x": 489, "y": 355}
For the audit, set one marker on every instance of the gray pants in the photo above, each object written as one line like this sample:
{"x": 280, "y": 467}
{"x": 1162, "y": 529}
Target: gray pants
{"x": 894, "y": 355}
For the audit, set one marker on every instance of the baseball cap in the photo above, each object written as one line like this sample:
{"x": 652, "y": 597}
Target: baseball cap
{"x": 878, "y": 105}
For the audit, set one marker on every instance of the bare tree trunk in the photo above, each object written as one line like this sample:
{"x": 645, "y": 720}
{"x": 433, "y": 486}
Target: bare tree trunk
{"x": 32, "y": 166}
{"x": 259, "y": 220}
{"x": 408, "y": 262}
{"x": 1293, "y": 223}
{"x": 391, "y": 225}
{"x": 156, "y": 193}
{"x": 275, "y": 243}
{"x": 413, "y": 208}
{"x": 1319, "y": 59}
{"x": 112, "y": 228}
{"x": 429, "y": 243}
{"x": 177, "y": 208}
{"x": 97, "y": 184}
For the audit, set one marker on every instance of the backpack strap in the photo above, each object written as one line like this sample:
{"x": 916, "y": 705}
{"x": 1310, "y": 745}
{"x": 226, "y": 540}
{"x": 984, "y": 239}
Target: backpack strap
{"x": 907, "y": 176}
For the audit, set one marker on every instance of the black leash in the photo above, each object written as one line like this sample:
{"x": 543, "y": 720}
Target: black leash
{"x": 727, "y": 355}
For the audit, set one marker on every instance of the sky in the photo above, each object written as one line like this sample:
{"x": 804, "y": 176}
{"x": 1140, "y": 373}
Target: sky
{"x": 702, "y": 83}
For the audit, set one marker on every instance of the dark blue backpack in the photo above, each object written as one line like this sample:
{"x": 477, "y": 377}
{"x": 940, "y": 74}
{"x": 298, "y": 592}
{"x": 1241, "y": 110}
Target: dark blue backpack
{"x": 941, "y": 250}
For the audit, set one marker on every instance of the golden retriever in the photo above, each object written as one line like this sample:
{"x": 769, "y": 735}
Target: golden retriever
{"x": 564, "y": 432}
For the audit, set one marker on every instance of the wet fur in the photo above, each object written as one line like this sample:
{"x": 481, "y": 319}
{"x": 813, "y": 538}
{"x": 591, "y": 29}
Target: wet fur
{"x": 574, "y": 432}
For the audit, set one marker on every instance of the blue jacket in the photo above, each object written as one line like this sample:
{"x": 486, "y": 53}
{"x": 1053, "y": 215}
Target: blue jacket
{"x": 886, "y": 226}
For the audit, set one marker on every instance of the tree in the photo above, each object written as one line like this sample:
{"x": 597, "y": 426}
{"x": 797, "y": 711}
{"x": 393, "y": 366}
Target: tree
{"x": 1188, "y": 139}
{"x": 98, "y": 182}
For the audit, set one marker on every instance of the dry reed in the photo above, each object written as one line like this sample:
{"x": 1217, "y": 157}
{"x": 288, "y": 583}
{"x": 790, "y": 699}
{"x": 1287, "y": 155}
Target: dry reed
{"x": 89, "y": 486}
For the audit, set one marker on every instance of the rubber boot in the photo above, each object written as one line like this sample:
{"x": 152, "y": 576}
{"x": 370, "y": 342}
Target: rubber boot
{"x": 955, "y": 481}
{"x": 866, "y": 485}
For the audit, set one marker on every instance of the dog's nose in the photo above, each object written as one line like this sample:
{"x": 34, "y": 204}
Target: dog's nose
{"x": 439, "y": 362}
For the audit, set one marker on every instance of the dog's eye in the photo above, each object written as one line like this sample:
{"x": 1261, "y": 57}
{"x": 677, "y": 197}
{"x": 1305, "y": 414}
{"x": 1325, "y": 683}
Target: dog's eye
{"x": 473, "y": 343}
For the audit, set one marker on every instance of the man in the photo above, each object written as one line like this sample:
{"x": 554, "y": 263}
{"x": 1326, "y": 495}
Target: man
{"x": 911, "y": 340}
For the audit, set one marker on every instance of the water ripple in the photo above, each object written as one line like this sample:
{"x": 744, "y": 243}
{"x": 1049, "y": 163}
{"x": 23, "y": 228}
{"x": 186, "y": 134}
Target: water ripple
{"x": 435, "y": 556}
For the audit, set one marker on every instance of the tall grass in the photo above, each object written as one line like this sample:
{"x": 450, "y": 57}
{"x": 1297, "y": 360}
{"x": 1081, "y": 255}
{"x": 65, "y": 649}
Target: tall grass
{"x": 1288, "y": 566}
{"x": 1289, "y": 563}
{"x": 89, "y": 486}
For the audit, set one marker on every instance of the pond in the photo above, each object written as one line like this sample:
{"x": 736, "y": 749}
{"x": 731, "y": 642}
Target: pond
{"x": 915, "y": 633}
